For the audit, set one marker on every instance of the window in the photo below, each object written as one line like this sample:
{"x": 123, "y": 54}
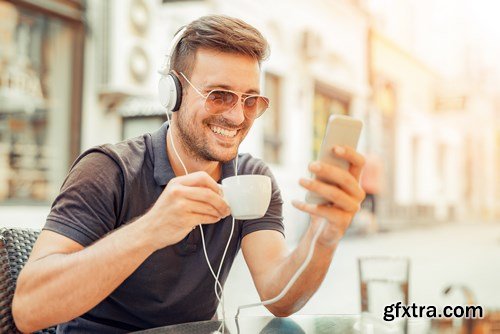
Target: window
{"x": 136, "y": 126}
{"x": 272, "y": 120}
{"x": 327, "y": 101}
{"x": 39, "y": 103}
{"x": 140, "y": 115}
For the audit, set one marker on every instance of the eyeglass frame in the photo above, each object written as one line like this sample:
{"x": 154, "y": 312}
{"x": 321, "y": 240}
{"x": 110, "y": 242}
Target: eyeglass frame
{"x": 241, "y": 96}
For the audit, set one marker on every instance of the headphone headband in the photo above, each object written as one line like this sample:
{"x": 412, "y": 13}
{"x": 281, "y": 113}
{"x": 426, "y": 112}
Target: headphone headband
{"x": 165, "y": 68}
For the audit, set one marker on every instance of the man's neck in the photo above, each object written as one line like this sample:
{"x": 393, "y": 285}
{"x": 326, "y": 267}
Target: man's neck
{"x": 213, "y": 168}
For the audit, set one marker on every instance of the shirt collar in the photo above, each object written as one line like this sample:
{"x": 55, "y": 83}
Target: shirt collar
{"x": 162, "y": 169}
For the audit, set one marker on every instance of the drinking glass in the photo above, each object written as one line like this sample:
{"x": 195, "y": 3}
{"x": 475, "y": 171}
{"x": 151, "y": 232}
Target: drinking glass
{"x": 384, "y": 283}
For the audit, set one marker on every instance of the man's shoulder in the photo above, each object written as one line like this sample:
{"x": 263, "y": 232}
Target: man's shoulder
{"x": 128, "y": 156}
{"x": 128, "y": 149}
{"x": 248, "y": 164}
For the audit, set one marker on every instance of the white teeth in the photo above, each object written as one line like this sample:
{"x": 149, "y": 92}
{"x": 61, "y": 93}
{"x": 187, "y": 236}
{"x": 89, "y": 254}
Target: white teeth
{"x": 224, "y": 132}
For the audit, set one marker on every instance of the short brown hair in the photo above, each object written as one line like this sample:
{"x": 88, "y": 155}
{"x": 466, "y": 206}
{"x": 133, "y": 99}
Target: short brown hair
{"x": 221, "y": 33}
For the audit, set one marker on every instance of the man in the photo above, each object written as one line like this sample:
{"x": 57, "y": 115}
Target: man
{"x": 121, "y": 250}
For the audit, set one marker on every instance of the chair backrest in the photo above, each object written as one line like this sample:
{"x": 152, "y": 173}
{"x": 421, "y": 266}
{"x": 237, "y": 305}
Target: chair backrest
{"x": 15, "y": 247}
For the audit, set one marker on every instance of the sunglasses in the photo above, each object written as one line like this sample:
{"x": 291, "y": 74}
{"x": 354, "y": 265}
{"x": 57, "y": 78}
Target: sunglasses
{"x": 219, "y": 101}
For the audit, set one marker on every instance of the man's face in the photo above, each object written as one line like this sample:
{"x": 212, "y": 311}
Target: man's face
{"x": 216, "y": 70}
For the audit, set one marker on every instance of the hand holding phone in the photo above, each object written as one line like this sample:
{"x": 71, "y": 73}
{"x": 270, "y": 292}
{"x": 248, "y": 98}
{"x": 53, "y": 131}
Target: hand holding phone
{"x": 341, "y": 130}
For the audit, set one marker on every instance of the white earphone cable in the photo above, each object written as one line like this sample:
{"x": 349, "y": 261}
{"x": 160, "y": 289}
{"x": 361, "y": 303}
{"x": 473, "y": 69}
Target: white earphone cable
{"x": 163, "y": 71}
{"x": 294, "y": 277}
{"x": 220, "y": 297}
{"x": 217, "y": 283}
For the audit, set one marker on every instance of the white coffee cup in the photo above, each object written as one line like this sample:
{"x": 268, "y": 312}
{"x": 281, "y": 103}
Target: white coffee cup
{"x": 248, "y": 196}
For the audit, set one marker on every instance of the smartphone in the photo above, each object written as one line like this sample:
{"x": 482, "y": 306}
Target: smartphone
{"x": 340, "y": 130}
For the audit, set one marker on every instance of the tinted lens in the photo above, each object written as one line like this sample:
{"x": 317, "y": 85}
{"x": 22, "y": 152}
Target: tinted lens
{"x": 255, "y": 106}
{"x": 219, "y": 101}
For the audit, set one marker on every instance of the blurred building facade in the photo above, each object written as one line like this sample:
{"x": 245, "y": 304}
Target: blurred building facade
{"x": 41, "y": 65}
{"x": 441, "y": 142}
{"x": 326, "y": 57}
{"x": 424, "y": 177}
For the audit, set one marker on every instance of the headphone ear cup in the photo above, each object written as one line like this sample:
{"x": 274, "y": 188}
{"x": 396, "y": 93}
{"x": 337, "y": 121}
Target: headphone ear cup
{"x": 170, "y": 92}
{"x": 178, "y": 92}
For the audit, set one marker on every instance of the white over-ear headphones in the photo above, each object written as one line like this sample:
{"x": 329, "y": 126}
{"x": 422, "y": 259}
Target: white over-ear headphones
{"x": 169, "y": 87}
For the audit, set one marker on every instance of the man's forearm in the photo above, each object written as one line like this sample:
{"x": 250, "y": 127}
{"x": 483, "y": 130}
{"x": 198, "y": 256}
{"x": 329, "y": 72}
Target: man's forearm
{"x": 60, "y": 287}
{"x": 307, "y": 283}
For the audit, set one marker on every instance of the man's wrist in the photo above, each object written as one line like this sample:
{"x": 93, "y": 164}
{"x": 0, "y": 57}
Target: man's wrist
{"x": 328, "y": 239}
{"x": 155, "y": 236}
{"x": 148, "y": 232}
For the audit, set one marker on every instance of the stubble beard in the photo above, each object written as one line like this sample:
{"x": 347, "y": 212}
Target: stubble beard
{"x": 196, "y": 146}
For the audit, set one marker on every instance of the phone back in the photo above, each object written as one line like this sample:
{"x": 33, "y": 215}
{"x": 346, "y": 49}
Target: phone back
{"x": 341, "y": 130}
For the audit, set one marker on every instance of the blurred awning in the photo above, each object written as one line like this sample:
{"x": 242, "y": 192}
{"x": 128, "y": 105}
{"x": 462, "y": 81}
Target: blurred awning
{"x": 137, "y": 106}
{"x": 371, "y": 178}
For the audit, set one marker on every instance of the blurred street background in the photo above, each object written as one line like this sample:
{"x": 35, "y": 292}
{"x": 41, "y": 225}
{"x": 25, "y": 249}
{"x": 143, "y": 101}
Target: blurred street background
{"x": 423, "y": 76}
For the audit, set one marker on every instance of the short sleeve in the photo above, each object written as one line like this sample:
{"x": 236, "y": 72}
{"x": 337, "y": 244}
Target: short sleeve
{"x": 273, "y": 219}
{"x": 89, "y": 202}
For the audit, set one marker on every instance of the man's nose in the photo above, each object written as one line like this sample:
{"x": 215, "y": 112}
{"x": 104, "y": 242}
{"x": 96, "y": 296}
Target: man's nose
{"x": 236, "y": 114}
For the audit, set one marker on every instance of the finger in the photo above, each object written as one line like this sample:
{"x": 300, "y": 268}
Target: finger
{"x": 356, "y": 160}
{"x": 192, "y": 219}
{"x": 202, "y": 208}
{"x": 336, "y": 175}
{"x": 198, "y": 179}
{"x": 197, "y": 219}
{"x": 334, "y": 215}
{"x": 207, "y": 196}
{"x": 332, "y": 193}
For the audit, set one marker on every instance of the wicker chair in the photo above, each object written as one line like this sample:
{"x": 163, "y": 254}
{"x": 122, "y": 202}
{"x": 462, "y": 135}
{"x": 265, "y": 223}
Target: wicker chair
{"x": 15, "y": 247}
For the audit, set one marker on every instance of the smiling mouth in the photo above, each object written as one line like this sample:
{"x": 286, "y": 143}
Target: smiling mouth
{"x": 223, "y": 132}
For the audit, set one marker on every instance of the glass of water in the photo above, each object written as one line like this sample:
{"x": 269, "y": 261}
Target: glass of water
{"x": 384, "y": 287}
